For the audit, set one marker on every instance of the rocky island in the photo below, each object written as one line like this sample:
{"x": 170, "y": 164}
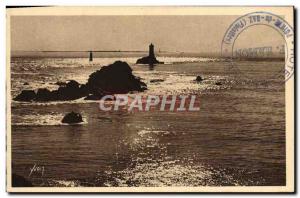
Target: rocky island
{"x": 150, "y": 59}
{"x": 116, "y": 78}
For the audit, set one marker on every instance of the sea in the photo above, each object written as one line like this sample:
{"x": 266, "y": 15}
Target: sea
{"x": 237, "y": 138}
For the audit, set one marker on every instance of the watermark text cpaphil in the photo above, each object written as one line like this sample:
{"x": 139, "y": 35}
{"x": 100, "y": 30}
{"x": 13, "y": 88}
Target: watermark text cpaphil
{"x": 176, "y": 103}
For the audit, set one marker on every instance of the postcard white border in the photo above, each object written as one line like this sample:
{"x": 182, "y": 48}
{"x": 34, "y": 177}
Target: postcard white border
{"x": 286, "y": 11}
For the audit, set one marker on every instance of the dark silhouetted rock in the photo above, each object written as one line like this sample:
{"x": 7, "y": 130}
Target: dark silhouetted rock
{"x": 44, "y": 95}
{"x": 98, "y": 97}
{"x": 116, "y": 78}
{"x": 72, "y": 84}
{"x": 150, "y": 59}
{"x": 218, "y": 83}
{"x": 68, "y": 91}
{"x": 71, "y": 91}
{"x": 60, "y": 83}
{"x": 199, "y": 79}
{"x": 19, "y": 181}
{"x": 93, "y": 97}
{"x": 26, "y": 83}
{"x": 156, "y": 80}
{"x": 72, "y": 118}
{"x": 26, "y": 95}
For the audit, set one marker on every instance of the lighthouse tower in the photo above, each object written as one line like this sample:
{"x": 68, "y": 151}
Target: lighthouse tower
{"x": 91, "y": 56}
{"x": 151, "y": 51}
{"x": 150, "y": 59}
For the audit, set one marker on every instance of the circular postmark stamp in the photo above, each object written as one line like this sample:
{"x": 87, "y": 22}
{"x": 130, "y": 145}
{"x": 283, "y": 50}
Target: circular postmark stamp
{"x": 260, "y": 36}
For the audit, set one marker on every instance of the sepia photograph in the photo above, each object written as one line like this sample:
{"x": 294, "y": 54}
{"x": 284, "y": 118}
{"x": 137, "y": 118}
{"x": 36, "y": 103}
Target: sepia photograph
{"x": 150, "y": 99}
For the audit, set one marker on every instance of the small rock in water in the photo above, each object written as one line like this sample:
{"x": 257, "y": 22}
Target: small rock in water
{"x": 72, "y": 118}
{"x": 156, "y": 80}
{"x": 26, "y": 95}
{"x": 26, "y": 83}
{"x": 218, "y": 83}
{"x": 199, "y": 79}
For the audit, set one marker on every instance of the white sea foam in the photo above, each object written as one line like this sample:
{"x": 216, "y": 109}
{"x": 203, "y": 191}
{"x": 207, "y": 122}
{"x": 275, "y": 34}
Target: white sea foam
{"x": 41, "y": 120}
{"x": 171, "y": 60}
{"x": 65, "y": 183}
{"x": 144, "y": 132}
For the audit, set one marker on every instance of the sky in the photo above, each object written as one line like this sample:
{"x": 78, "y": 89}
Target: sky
{"x": 198, "y": 34}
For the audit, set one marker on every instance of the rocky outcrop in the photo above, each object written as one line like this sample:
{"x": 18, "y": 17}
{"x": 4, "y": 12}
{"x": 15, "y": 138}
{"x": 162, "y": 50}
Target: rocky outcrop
{"x": 26, "y": 95}
{"x": 98, "y": 97}
{"x": 19, "y": 181}
{"x": 149, "y": 60}
{"x": 44, "y": 95}
{"x": 69, "y": 91}
{"x": 94, "y": 97}
{"x": 60, "y": 83}
{"x": 199, "y": 79}
{"x": 116, "y": 78}
{"x": 72, "y": 118}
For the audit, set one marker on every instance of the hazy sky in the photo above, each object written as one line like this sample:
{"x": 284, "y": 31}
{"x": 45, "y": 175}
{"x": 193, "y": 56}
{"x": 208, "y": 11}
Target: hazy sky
{"x": 201, "y": 34}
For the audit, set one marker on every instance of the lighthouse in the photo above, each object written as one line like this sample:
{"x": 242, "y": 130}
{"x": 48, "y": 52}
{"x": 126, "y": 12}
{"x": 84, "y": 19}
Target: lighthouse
{"x": 151, "y": 51}
{"x": 150, "y": 59}
{"x": 91, "y": 56}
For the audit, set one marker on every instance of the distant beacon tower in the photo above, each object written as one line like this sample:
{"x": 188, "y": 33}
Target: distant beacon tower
{"x": 91, "y": 56}
{"x": 151, "y": 50}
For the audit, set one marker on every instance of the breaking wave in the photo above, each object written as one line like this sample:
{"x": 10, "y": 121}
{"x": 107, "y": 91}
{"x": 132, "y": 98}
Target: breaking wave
{"x": 53, "y": 119}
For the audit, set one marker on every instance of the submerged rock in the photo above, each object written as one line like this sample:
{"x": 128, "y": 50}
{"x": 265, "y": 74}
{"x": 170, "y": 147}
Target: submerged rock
{"x": 19, "y": 181}
{"x": 26, "y": 95}
{"x": 72, "y": 118}
{"x": 199, "y": 79}
{"x": 156, "y": 80}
